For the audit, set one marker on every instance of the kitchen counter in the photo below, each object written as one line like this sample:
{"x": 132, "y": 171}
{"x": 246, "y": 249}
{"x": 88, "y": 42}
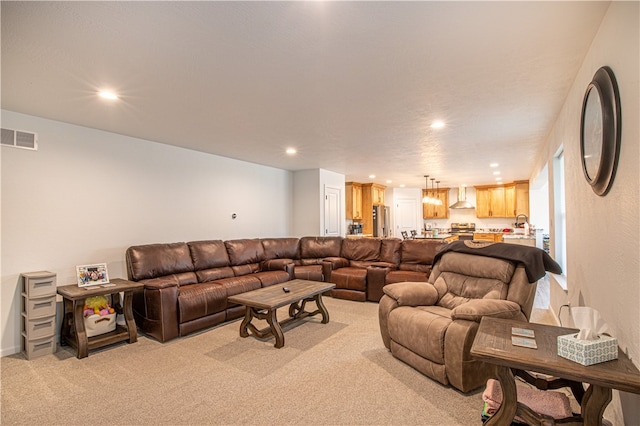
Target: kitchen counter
{"x": 518, "y": 237}
{"x": 439, "y": 237}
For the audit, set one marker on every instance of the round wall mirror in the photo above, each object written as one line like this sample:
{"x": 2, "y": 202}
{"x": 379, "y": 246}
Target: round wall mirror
{"x": 600, "y": 131}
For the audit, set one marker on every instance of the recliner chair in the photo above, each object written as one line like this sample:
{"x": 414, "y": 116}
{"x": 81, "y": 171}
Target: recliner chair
{"x": 431, "y": 325}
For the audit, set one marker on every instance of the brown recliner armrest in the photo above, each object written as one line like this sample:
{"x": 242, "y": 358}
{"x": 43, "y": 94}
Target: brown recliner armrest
{"x": 475, "y": 309}
{"x": 412, "y": 293}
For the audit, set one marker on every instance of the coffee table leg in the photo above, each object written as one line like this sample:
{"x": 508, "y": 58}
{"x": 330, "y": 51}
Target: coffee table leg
{"x": 248, "y": 316}
{"x": 275, "y": 328}
{"x": 507, "y": 410}
{"x": 322, "y": 309}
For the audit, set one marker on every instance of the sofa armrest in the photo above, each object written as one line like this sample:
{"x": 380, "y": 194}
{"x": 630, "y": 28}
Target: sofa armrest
{"x": 375, "y": 282}
{"x": 160, "y": 283}
{"x": 286, "y": 265}
{"x": 412, "y": 293}
{"x": 475, "y": 309}
{"x": 331, "y": 263}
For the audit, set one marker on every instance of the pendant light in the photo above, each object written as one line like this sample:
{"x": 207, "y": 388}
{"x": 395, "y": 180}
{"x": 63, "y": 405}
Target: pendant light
{"x": 438, "y": 200}
{"x": 426, "y": 199}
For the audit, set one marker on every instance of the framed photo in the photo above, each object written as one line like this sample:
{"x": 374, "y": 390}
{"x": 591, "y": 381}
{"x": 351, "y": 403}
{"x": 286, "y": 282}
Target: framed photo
{"x": 89, "y": 275}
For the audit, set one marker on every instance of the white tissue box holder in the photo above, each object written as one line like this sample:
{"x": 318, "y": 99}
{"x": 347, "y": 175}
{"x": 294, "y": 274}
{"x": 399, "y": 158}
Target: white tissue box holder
{"x": 588, "y": 352}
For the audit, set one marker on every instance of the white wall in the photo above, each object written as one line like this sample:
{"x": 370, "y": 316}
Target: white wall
{"x": 308, "y": 200}
{"x": 86, "y": 195}
{"x": 603, "y": 233}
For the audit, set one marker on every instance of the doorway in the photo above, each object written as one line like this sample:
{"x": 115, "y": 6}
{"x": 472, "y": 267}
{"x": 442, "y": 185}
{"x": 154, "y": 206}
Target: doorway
{"x": 332, "y": 206}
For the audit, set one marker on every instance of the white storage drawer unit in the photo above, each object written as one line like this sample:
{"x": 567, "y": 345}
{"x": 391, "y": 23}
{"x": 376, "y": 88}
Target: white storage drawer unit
{"x": 38, "y": 313}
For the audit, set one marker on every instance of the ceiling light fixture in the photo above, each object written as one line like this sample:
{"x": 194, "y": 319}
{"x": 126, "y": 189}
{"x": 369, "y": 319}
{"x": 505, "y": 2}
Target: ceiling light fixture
{"x": 372, "y": 176}
{"x": 291, "y": 151}
{"x": 494, "y": 165}
{"x": 106, "y": 94}
{"x": 437, "y": 124}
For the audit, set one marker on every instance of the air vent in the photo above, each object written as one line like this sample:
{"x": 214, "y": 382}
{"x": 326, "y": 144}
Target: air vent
{"x": 19, "y": 139}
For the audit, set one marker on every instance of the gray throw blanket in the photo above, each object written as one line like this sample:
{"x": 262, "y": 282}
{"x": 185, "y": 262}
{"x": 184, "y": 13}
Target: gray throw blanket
{"x": 535, "y": 260}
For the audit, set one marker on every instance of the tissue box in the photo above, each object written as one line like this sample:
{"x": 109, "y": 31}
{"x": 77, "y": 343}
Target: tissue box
{"x": 99, "y": 324}
{"x": 588, "y": 352}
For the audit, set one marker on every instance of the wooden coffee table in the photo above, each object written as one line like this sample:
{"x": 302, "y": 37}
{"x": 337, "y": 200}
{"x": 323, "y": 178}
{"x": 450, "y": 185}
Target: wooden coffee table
{"x": 264, "y": 302}
{"x": 493, "y": 345}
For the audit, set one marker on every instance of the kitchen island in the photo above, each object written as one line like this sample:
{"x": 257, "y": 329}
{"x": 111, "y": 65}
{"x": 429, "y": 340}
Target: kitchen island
{"x": 443, "y": 237}
{"x": 523, "y": 240}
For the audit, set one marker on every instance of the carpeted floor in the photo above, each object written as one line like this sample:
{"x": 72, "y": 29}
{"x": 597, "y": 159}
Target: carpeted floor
{"x": 326, "y": 374}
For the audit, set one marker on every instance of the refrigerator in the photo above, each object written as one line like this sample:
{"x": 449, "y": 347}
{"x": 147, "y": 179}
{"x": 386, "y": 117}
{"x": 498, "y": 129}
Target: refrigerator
{"x": 380, "y": 221}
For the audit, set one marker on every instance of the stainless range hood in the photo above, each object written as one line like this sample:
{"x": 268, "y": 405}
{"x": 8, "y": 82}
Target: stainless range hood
{"x": 462, "y": 202}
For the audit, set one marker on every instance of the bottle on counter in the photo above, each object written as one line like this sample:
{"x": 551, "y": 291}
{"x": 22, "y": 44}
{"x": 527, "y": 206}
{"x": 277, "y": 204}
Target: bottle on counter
{"x": 526, "y": 229}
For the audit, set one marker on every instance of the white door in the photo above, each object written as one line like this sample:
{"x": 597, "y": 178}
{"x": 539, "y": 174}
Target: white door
{"x": 405, "y": 216}
{"x": 332, "y": 206}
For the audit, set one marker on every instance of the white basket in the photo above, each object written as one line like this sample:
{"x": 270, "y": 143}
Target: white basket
{"x": 99, "y": 324}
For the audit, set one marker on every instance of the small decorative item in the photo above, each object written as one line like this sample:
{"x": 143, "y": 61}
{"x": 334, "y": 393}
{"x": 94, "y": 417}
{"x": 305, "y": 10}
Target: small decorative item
{"x": 600, "y": 131}
{"x": 89, "y": 275}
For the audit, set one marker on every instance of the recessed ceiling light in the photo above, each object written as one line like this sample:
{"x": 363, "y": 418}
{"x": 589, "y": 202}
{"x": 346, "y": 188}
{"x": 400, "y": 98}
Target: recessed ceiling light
{"x": 389, "y": 181}
{"x": 497, "y": 172}
{"x": 437, "y": 125}
{"x": 372, "y": 176}
{"x": 498, "y": 178}
{"x": 494, "y": 165}
{"x": 464, "y": 185}
{"x": 402, "y": 185}
{"x": 291, "y": 151}
{"x": 106, "y": 94}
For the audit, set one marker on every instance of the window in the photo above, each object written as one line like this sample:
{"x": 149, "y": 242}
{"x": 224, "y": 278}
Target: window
{"x": 560, "y": 239}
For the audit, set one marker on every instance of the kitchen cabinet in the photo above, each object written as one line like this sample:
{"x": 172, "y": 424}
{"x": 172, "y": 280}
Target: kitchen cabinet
{"x": 377, "y": 193}
{"x": 372, "y": 195}
{"x": 487, "y": 236}
{"x": 432, "y": 211}
{"x": 490, "y": 201}
{"x": 522, "y": 198}
{"x": 502, "y": 200}
{"x": 353, "y": 192}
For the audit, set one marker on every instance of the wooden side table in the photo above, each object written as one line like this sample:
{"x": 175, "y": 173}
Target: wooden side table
{"x": 492, "y": 345}
{"x": 73, "y": 331}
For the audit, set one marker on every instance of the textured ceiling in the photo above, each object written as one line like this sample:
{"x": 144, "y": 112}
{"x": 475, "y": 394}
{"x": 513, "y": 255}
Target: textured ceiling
{"x": 354, "y": 86}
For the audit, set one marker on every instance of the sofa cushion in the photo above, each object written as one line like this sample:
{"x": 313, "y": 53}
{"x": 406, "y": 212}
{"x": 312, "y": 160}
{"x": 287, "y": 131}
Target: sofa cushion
{"x": 399, "y": 276}
{"x": 269, "y": 278}
{"x": 214, "y": 274}
{"x": 420, "y": 251}
{"x": 237, "y": 285}
{"x": 477, "y": 266}
{"x": 361, "y": 249}
{"x": 350, "y": 278}
{"x": 390, "y": 250}
{"x": 157, "y": 260}
{"x": 455, "y": 289}
{"x": 199, "y": 300}
{"x": 319, "y": 247}
{"x": 208, "y": 254}
{"x": 308, "y": 272}
{"x": 281, "y": 248}
{"x": 408, "y": 327}
{"x": 242, "y": 252}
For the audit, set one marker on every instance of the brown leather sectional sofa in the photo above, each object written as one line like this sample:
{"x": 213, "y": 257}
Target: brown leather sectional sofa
{"x": 187, "y": 284}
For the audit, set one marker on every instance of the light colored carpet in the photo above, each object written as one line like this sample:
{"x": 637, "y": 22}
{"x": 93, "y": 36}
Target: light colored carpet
{"x": 327, "y": 374}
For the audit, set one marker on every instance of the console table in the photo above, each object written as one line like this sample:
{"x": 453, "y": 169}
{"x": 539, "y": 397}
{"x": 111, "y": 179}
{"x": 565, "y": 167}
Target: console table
{"x": 492, "y": 345}
{"x": 73, "y": 331}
